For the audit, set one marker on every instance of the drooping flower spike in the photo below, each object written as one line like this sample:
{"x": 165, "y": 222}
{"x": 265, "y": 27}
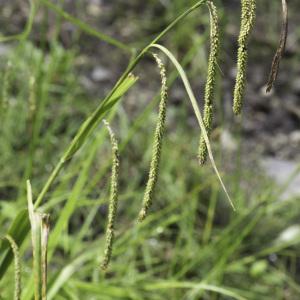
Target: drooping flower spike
{"x": 211, "y": 79}
{"x": 157, "y": 144}
{"x": 113, "y": 200}
{"x": 247, "y": 22}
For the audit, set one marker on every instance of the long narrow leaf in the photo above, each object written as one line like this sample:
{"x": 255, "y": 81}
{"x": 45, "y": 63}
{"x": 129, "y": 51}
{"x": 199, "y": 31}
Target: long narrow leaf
{"x": 39, "y": 234}
{"x": 197, "y": 113}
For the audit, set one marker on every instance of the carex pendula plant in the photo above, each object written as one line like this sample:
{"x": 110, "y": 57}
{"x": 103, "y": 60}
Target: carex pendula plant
{"x": 38, "y": 223}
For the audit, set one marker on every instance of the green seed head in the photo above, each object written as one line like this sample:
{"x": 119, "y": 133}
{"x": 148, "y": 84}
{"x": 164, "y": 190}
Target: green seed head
{"x": 15, "y": 250}
{"x": 157, "y": 145}
{"x": 240, "y": 81}
{"x": 211, "y": 79}
{"x": 208, "y": 118}
{"x": 113, "y": 201}
{"x": 247, "y": 22}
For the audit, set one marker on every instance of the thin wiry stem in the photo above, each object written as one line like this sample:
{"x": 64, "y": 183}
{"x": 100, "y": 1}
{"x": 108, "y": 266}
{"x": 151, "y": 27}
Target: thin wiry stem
{"x": 281, "y": 48}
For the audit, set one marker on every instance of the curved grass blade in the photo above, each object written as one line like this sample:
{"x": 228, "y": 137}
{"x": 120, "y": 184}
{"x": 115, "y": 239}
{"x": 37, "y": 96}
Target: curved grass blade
{"x": 197, "y": 113}
{"x": 85, "y": 130}
{"x": 68, "y": 270}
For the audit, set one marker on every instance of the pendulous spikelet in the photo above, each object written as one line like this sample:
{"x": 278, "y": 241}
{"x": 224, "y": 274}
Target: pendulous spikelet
{"x": 15, "y": 250}
{"x": 113, "y": 201}
{"x": 157, "y": 145}
{"x": 211, "y": 79}
{"x": 247, "y": 22}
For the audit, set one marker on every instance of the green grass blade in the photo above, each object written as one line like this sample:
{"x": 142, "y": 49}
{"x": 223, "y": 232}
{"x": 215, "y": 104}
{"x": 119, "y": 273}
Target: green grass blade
{"x": 197, "y": 113}
{"x": 95, "y": 119}
{"x": 44, "y": 245}
{"x": 67, "y": 272}
{"x": 85, "y": 130}
{"x": 39, "y": 234}
{"x": 35, "y": 223}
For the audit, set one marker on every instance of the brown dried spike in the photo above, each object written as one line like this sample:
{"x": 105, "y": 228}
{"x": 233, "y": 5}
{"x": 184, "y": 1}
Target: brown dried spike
{"x": 281, "y": 48}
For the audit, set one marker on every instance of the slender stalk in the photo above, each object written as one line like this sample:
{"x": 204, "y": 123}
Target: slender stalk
{"x": 281, "y": 48}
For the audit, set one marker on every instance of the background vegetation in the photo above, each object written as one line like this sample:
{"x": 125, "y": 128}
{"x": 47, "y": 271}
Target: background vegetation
{"x": 192, "y": 245}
